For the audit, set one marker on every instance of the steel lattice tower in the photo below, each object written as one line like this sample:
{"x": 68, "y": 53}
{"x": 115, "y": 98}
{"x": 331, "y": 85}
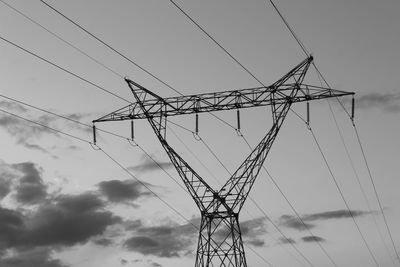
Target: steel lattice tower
{"x": 220, "y": 241}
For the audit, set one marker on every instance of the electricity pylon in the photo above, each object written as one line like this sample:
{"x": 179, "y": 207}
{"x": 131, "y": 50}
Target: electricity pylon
{"x": 220, "y": 241}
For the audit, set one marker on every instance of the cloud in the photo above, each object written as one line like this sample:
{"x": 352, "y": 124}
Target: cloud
{"x": 11, "y": 225}
{"x": 336, "y": 214}
{"x": 22, "y": 130}
{"x": 389, "y": 102}
{"x": 146, "y": 164}
{"x": 26, "y": 133}
{"x": 312, "y": 238}
{"x": 70, "y": 220}
{"x": 30, "y": 189}
{"x": 123, "y": 191}
{"x": 12, "y": 106}
{"x": 288, "y": 240}
{"x": 294, "y": 222}
{"x": 33, "y": 257}
{"x": 252, "y": 231}
{"x": 66, "y": 221}
{"x": 163, "y": 241}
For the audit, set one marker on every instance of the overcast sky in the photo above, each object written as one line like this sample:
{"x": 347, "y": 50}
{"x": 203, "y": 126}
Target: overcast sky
{"x": 64, "y": 203}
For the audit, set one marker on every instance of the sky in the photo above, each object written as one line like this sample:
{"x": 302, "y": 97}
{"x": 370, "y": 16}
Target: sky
{"x": 65, "y": 203}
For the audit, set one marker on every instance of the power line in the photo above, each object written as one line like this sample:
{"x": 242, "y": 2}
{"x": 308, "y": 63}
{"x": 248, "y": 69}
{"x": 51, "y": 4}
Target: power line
{"x": 358, "y": 180}
{"x": 376, "y": 193}
{"x": 342, "y": 196}
{"x": 290, "y": 29}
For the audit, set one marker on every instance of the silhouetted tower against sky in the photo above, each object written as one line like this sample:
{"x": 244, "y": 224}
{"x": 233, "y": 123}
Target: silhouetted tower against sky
{"x": 220, "y": 241}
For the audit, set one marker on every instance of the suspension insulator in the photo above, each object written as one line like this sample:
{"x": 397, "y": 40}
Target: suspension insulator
{"x": 308, "y": 113}
{"x": 132, "y": 131}
{"x": 352, "y": 108}
{"x": 197, "y": 124}
{"x": 238, "y": 119}
{"x": 94, "y": 134}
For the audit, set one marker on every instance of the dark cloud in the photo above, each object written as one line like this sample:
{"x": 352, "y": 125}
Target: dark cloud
{"x": 253, "y": 229}
{"x": 296, "y": 223}
{"x": 104, "y": 242}
{"x": 312, "y": 238}
{"x": 30, "y": 189}
{"x": 69, "y": 221}
{"x": 40, "y": 257}
{"x": 123, "y": 191}
{"x": 256, "y": 242}
{"x": 11, "y": 226}
{"x": 389, "y": 102}
{"x": 288, "y": 240}
{"x": 336, "y": 214}
{"x": 146, "y": 164}
{"x": 163, "y": 241}
{"x": 66, "y": 221}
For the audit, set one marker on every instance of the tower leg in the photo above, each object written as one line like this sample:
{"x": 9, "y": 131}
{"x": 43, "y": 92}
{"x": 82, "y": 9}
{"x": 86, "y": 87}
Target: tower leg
{"x": 220, "y": 242}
